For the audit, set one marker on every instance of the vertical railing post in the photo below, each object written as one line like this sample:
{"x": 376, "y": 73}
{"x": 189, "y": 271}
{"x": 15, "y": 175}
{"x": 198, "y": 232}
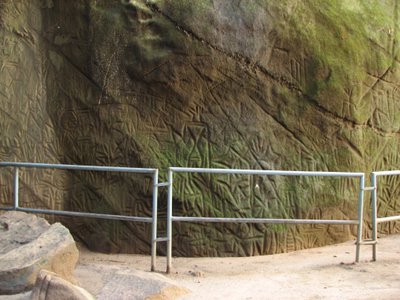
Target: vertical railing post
{"x": 360, "y": 216}
{"x": 154, "y": 221}
{"x": 169, "y": 222}
{"x": 16, "y": 188}
{"x": 374, "y": 215}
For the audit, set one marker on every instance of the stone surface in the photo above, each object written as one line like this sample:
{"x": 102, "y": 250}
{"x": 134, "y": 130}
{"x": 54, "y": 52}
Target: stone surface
{"x": 49, "y": 286}
{"x": 53, "y": 250}
{"x": 113, "y": 281}
{"x": 20, "y": 296}
{"x": 19, "y": 229}
{"x": 292, "y": 85}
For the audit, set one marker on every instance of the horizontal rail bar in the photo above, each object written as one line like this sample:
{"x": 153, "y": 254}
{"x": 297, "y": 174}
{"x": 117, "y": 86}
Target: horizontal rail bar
{"x": 387, "y": 219}
{"x": 384, "y": 173}
{"x": 89, "y": 215}
{"x": 163, "y": 184}
{"x": 264, "y": 172}
{"x": 77, "y": 167}
{"x": 261, "y": 220}
{"x": 162, "y": 239}
{"x": 370, "y": 242}
{"x": 7, "y": 208}
{"x": 370, "y": 188}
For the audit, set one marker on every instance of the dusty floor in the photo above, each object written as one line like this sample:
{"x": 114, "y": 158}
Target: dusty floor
{"x": 320, "y": 273}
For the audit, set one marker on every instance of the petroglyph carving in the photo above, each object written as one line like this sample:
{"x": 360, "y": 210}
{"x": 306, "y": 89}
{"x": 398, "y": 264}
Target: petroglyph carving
{"x": 147, "y": 84}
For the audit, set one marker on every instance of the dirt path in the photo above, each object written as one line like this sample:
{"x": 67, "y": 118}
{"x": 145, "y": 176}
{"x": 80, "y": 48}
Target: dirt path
{"x": 320, "y": 273}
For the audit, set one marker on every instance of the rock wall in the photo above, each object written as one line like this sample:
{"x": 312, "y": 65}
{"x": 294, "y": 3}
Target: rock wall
{"x": 287, "y": 85}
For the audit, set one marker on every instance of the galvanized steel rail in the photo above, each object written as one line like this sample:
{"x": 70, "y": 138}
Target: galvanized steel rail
{"x": 171, "y": 218}
{"x": 151, "y": 171}
{"x": 375, "y": 218}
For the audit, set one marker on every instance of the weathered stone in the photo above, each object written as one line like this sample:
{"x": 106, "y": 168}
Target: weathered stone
{"x": 106, "y": 281}
{"x": 18, "y": 228}
{"x": 294, "y": 85}
{"x": 53, "y": 250}
{"x": 50, "y": 286}
{"x": 139, "y": 285}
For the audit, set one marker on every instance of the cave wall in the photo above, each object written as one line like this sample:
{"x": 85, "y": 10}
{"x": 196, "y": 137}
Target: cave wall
{"x": 224, "y": 84}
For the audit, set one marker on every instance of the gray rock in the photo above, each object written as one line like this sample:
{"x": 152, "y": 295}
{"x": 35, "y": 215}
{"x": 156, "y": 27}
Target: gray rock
{"x": 18, "y": 229}
{"x": 106, "y": 281}
{"x": 21, "y": 296}
{"x": 131, "y": 284}
{"x": 50, "y": 286}
{"x": 53, "y": 249}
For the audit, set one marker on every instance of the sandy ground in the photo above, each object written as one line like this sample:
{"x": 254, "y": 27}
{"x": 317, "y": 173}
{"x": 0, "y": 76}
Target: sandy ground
{"x": 320, "y": 273}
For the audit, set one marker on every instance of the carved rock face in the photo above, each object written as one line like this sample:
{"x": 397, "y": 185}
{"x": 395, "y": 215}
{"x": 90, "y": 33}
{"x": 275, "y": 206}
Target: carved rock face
{"x": 227, "y": 84}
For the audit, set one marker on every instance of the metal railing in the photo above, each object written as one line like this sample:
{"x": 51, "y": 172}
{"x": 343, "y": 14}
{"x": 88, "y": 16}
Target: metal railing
{"x": 171, "y": 218}
{"x": 375, "y": 218}
{"x": 154, "y": 172}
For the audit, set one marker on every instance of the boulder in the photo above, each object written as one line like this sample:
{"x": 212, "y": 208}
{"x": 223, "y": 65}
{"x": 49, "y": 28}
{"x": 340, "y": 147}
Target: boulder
{"x": 18, "y": 228}
{"x": 130, "y": 284}
{"x": 108, "y": 281}
{"x": 50, "y": 286}
{"x": 51, "y": 248}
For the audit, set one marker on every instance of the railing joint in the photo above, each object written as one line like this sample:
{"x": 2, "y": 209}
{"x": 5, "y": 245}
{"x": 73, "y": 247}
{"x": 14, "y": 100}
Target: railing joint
{"x": 369, "y": 188}
{"x": 367, "y": 242}
{"x": 162, "y": 184}
{"x": 162, "y": 239}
